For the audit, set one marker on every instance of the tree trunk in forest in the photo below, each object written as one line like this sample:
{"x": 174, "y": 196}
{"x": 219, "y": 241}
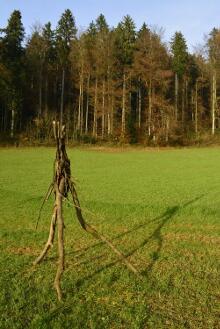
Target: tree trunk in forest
{"x": 213, "y": 101}
{"x": 183, "y": 103}
{"x": 149, "y": 108}
{"x": 139, "y": 108}
{"x": 112, "y": 114}
{"x": 94, "y": 130}
{"x": 12, "y": 121}
{"x": 62, "y": 97}
{"x": 123, "y": 108}
{"x": 167, "y": 128}
{"x": 87, "y": 105}
{"x": 186, "y": 95}
{"x": 80, "y": 105}
{"x": 103, "y": 109}
{"x": 196, "y": 107}
{"x": 176, "y": 95}
{"x": 109, "y": 111}
{"x": 40, "y": 95}
{"x": 68, "y": 124}
{"x": 46, "y": 97}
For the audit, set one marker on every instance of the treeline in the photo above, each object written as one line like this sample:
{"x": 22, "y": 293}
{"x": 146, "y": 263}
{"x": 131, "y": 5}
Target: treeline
{"x": 110, "y": 84}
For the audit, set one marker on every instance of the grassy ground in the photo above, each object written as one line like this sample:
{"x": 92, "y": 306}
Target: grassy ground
{"x": 161, "y": 208}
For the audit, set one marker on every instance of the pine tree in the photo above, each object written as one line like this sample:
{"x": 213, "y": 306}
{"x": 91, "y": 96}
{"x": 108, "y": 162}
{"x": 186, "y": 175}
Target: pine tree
{"x": 214, "y": 60}
{"x": 48, "y": 37}
{"x": 125, "y": 35}
{"x": 12, "y": 56}
{"x": 179, "y": 62}
{"x": 65, "y": 34}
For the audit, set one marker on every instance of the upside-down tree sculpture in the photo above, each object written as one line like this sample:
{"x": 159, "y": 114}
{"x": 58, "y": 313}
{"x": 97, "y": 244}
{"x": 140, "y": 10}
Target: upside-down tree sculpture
{"x": 63, "y": 185}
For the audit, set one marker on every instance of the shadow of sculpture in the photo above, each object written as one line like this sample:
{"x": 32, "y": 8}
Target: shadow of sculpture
{"x": 156, "y": 235}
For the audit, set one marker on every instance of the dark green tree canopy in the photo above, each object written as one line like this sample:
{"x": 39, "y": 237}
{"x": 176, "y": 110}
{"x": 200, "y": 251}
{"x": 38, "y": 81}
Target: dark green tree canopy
{"x": 125, "y": 40}
{"x": 65, "y": 33}
{"x": 101, "y": 24}
{"x": 12, "y": 40}
{"x": 48, "y": 36}
{"x": 180, "y": 53}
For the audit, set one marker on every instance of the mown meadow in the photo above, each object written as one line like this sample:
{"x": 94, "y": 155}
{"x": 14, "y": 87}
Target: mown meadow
{"x": 161, "y": 208}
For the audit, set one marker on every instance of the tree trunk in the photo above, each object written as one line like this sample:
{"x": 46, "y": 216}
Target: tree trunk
{"x": 80, "y": 104}
{"x": 196, "y": 107}
{"x": 46, "y": 97}
{"x": 109, "y": 111}
{"x": 123, "y": 108}
{"x": 112, "y": 115}
{"x": 40, "y": 95}
{"x": 103, "y": 109}
{"x": 62, "y": 97}
{"x": 176, "y": 95}
{"x": 149, "y": 108}
{"x": 213, "y": 101}
{"x": 87, "y": 105}
{"x": 82, "y": 107}
{"x": 139, "y": 108}
{"x": 186, "y": 95}
{"x": 167, "y": 128}
{"x": 183, "y": 104}
{"x": 12, "y": 121}
{"x": 95, "y": 110}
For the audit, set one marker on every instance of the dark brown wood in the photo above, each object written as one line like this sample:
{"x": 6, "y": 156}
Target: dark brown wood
{"x": 62, "y": 185}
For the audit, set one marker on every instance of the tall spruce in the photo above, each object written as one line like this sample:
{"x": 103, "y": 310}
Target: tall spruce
{"x": 125, "y": 36}
{"x": 214, "y": 60}
{"x": 65, "y": 33}
{"x": 12, "y": 57}
{"x": 179, "y": 62}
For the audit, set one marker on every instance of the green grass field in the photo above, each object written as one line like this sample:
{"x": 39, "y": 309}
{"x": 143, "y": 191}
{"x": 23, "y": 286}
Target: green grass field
{"x": 161, "y": 208}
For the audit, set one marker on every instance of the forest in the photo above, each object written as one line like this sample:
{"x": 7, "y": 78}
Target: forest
{"x": 108, "y": 84}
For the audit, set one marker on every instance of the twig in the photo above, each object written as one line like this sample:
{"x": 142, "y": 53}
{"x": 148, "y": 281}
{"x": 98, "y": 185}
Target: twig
{"x": 47, "y": 195}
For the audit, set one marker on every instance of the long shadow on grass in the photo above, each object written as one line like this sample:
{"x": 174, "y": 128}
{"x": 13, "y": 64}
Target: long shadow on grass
{"x": 156, "y": 235}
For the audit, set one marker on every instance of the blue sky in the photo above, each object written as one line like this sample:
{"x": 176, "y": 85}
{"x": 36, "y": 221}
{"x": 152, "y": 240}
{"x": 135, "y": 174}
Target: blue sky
{"x": 193, "y": 17}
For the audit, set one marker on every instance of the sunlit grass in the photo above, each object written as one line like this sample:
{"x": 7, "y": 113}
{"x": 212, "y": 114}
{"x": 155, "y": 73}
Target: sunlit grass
{"x": 161, "y": 208}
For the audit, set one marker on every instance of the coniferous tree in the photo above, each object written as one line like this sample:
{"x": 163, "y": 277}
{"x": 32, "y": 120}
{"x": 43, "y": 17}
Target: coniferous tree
{"x": 214, "y": 60}
{"x": 65, "y": 33}
{"x": 179, "y": 62}
{"x": 125, "y": 35}
{"x": 12, "y": 57}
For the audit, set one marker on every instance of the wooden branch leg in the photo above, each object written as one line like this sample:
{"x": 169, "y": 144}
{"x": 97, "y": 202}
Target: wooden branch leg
{"x": 60, "y": 223}
{"x": 49, "y": 243}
